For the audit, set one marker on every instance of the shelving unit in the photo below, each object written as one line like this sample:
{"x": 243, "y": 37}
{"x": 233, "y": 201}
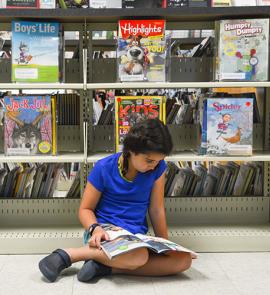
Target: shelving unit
{"x": 202, "y": 223}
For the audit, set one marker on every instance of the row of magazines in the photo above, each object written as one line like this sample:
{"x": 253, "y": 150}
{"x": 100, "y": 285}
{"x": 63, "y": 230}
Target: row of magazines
{"x": 143, "y": 51}
{"x": 51, "y": 4}
{"x": 30, "y": 122}
{"x": 39, "y": 180}
{"x": 183, "y": 179}
{"x": 214, "y": 179}
{"x": 101, "y": 4}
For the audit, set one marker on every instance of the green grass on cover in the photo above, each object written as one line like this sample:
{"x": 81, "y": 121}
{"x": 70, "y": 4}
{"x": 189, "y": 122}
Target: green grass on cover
{"x": 46, "y": 74}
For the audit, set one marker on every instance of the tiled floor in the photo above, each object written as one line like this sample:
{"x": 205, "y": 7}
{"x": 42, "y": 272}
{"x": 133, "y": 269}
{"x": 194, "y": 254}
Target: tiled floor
{"x": 211, "y": 274}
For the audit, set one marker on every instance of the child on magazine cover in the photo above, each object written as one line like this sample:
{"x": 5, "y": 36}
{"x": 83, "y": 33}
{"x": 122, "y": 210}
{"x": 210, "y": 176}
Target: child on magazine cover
{"x": 121, "y": 189}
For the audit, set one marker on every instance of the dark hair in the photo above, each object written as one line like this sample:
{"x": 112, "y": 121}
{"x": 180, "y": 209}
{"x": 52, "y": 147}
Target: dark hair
{"x": 147, "y": 136}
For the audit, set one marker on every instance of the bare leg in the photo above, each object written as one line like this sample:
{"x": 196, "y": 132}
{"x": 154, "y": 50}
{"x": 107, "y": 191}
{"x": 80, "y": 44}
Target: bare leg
{"x": 130, "y": 260}
{"x": 161, "y": 265}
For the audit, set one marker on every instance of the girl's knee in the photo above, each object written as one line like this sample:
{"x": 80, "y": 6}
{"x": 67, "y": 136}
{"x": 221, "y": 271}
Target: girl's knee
{"x": 182, "y": 262}
{"x": 137, "y": 258}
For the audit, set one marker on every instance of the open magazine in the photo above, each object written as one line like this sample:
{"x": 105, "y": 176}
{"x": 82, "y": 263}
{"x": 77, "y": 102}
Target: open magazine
{"x": 122, "y": 241}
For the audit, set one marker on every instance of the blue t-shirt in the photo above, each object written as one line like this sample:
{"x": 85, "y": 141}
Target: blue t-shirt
{"x": 123, "y": 203}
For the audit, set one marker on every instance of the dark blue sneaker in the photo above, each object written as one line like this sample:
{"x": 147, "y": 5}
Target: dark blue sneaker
{"x": 51, "y": 265}
{"x": 93, "y": 269}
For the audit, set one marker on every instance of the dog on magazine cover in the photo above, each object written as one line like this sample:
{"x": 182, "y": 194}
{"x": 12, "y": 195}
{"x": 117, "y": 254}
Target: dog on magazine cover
{"x": 27, "y": 135}
{"x": 136, "y": 58}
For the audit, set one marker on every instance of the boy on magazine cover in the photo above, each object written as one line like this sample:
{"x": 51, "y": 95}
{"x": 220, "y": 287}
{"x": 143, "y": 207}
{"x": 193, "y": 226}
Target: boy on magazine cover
{"x": 141, "y": 50}
{"x": 28, "y": 125}
{"x": 35, "y": 51}
{"x": 229, "y": 126}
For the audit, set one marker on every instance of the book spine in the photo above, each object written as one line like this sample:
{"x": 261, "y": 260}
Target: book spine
{"x": 54, "y": 147}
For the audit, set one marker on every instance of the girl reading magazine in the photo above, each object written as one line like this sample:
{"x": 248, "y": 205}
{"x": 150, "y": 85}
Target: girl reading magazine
{"x": 121, "y": 189}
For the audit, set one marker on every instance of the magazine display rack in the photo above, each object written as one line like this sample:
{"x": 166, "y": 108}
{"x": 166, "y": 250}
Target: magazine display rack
{"x": 202, "y": 223}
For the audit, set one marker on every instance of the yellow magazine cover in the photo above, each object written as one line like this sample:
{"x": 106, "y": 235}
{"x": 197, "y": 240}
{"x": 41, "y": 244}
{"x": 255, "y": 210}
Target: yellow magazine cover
{"x": 133, "y": 109}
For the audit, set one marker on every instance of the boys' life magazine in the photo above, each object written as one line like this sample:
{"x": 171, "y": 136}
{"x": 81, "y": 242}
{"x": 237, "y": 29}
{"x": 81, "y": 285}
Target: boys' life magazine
{"x": 243, "y": 50}
{"x": 141, "y": 50}
{"x": 122, "y": 241}
{"x": 28, "y": 125}
{"x": 35, "y": 51}
{"x": 229, "y": 126}
{"x": 134, "y": 109}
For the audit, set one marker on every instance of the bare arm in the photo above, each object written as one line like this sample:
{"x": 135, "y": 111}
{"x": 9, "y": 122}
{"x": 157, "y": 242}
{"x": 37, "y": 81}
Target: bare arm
{"x": 87, "y": 216}
{"x": 88, "y": 204}
{"x": 156, "y": 209}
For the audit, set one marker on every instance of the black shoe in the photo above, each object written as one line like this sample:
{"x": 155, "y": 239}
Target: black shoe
{"x": 53, "y": 264}
{"x": 93, "y": 269}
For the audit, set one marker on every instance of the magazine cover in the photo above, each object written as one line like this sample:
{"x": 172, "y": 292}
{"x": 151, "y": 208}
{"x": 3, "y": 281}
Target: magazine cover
{"x": 229, "y": 126}
{"x": 122, "y": 241}
{"x": 133, "y": 109}
{"x": 35, "y": 51}
{"x": 28, "y": 125}
{"x": 243, "y": 50}
{"x": 141, "y": 50}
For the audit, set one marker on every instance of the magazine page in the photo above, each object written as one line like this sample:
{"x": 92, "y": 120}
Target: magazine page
{"x": 160, "y": 245}
{"x": 122, "y": 244}
{"x": 114, "y": 231}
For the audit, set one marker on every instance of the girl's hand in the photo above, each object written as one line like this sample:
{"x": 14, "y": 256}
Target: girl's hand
{"x": 99, "y": 235}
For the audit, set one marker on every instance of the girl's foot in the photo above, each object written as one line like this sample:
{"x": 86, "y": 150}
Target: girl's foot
{"x": 53, "y": 264}
{"x": 92, "y": 269}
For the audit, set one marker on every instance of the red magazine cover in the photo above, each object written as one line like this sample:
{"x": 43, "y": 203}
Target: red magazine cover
{"x": 141, "y": 50}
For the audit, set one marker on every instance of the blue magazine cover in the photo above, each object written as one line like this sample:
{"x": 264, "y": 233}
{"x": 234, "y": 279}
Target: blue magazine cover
{"x": 229, "y": 126}
{"x": 35, "y": 51}
{"x": 28, "y": 125}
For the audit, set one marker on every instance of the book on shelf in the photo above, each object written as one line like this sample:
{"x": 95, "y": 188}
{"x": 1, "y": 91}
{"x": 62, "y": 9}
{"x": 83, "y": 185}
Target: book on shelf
{"x": 143, "y": 3}
{"x": 36, "y": 51}
{"x": 47, "y": 4}
{"x": 134, "y": 109}
{"x": 28, "y": 125}
{"x": 219, "y": 179}
{"x": 141, "y": 50}
{"x": 229, "y": 126}
{"x": 73, "y": 4}
{"x": 221, "y": 3}
{"x": 177, "y": 3}
{"x": 17, "y": 4}
{"x": 263, "y": 2}
{"x": 122, "y": 241}
{"x": 242, "y": 50}
{"x": 105, "y": 3}
{"x": 37, "y": 180}
{"x": 68, "y": 109}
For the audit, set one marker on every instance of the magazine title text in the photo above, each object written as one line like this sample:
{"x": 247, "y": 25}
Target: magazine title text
{"x": 38, "y": 27}
{"x": 37, "y": 104}
{"x": 243, "y": 28}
